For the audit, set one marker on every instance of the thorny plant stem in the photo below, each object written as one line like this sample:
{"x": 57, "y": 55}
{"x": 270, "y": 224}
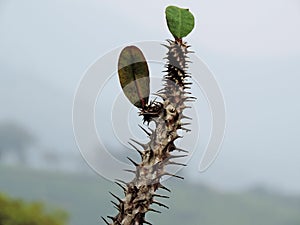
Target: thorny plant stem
{"x": 167, "y": 114}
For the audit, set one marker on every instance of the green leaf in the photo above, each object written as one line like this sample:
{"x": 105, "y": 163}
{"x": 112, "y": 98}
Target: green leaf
{"x": 180, "y": 21}
{"x": 134, "y": 76}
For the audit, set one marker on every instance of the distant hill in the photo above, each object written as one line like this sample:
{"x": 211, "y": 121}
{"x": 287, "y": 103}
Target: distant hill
{"x": 40, "y": 106}
{"x": 86, "y": 198}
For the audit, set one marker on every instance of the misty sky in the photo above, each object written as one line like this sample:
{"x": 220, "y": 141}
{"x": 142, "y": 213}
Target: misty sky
{"x": 253, "y": 48}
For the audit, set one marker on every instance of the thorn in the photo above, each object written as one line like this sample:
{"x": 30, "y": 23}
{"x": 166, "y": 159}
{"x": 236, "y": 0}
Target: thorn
{"x": 145, "y": 130}
{"x": 172, "y": 175}
{"x": 177, "y": 137}
{"x": 143, "y": 145}
{"x": 189, "y": 100}
{"x": 130, "y": 171}
{"x": 154, "y": 100}
{"x": 164, "y": 188}
{"x": 188, "y": 83}
{"x": 139, "y": 151}
{"x": 160, "y": 196}
{"x": 105, "y": 220}
{"x": 181, "y": 150}
{"x": 185, "y": 124}
{"x": 120, "y": 200}
{"x": 185, "y": 129}
{"x": 133, "y": 162}
{"x": 112, "y": 218}
{"x": 186, "y": 117}
{"x": 153, "y": 210}
{"x": 176, "y": 156}
{"x": 115, "y": 204}
{"x": 171, "y": 147}
{"x": 168, "y": 47}
{"x": 176, "y": 163}
{"x": 121, "y": 181}
{"x": 160, "y": 204}
{"x": 120, "y": 185}
{"x": 170, "y": 41}
{"x": 162, "y": 89}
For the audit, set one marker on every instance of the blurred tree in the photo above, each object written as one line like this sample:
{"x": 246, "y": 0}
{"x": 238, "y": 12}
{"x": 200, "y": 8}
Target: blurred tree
{"x": 14, "y": 138}
{"x": 17, "y": 212}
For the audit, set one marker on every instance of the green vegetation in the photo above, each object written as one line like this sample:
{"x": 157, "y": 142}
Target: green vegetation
{"x": 18, "y": 212}
{"x": 85, "y": 198}
{"x": 180, "y": 21}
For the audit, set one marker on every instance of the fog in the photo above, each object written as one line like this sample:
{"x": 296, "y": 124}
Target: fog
{"x": 252, "y": 48}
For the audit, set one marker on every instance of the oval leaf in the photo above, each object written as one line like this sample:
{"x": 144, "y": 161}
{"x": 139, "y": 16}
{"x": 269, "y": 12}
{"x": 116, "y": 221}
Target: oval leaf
{"x": 180, "y": 21}
{"x": 134, "y": 76}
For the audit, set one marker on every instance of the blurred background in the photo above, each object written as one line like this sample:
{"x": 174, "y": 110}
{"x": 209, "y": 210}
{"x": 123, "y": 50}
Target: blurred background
{"x": 253, "y": 48}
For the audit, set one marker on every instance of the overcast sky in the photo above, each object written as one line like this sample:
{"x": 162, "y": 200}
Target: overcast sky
{"x": 253, "y": 48}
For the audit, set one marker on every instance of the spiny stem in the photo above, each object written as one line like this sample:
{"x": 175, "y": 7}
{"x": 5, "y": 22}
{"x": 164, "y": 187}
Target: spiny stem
{"x": 157, "y": 153}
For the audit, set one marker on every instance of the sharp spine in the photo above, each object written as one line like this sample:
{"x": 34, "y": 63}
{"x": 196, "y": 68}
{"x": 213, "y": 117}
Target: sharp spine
{"x": 120, "y": 200}
{"x": 121, "y": 181}
{"x": 164, "y": 188}
{"x": 181, "y": 150}
{"x": 186, "y": 117}
{"x": 172, "y": 175}
{"x": 130, "y": 171}
{"x": 112, "y": 218}
{"x": 115, "y": 204}
{"x": 185, "y": 129}
{"x": 190, "y": 100}
{"x": 105, "y": 220}
{"x": 141, "y": 144}
{"x": 139, "y": 151}
{"x": 153, "y": 210}
{"x": 160, "y": 204}
{"x": 160, "y": 196}
{"x": 176, "y": 163}
{"x": 133, "y": 162}
{"x": 176, "y": 156}
{"x": 148, "y": 133}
